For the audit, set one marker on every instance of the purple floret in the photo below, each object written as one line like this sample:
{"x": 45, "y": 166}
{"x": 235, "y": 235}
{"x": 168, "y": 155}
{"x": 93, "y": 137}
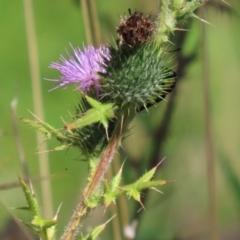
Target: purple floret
{"x": 82, "y": 68}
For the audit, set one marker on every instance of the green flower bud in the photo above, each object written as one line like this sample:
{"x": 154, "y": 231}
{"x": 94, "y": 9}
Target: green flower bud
{"x": 137, "y": 75}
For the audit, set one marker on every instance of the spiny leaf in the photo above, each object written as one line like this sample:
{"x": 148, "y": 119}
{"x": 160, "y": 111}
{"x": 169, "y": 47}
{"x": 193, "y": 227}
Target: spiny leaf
{"x": 61, "y": 148}
{"x": 133, "y": 188}
{"x": 151, "y": 184}
{"x": 110, "y": 192}
{"x": 116, "y": 180}
{"x": 38, "y": 126}
{"x": 45, "y": 228}
{"x": 94, "y": 200}
{"x": 100, "y": 112}
{"x": 44, "y": 223}
{"x": 186, "y": 8}
{"x": 40, "y": 225}
{"x": 132, "y": 192}
{"x": 52, "y": 229}
{"x": 46, "y": 129}
{"x": 32, "y": 202}
{"x": 148, "y": 175}
{"x": 96, "y": 231}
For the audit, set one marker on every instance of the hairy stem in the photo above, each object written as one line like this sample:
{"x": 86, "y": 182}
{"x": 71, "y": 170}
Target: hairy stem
{"x": 105, "y": 160}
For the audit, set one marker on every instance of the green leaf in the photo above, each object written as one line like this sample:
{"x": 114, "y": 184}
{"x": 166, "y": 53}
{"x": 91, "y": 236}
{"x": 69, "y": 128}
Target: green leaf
{"x": 115, "y": 182}
{"x": 230, "y": 174}
{"x": 61, "y": 148}
{"x": 151, "y": 184}
{"x": 96, "y": 231}
{"x": 111, "y": 191}
{"x": 46, "y": 129}
{"x": 32, "y": 202}
{"x": 39, "y": 225}
{"x": 132, "y": 191}
{"x": 45, "y": 228}
{"x": 94, "y": 200}
{"x": 100, "y": 112}
{"x": 148, "y": 175}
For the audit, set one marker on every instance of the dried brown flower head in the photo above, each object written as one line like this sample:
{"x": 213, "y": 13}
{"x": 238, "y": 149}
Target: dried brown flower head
{"x": 135, "y": 29}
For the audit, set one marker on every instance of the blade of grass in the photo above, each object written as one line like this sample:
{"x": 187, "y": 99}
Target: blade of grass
{"x": 86, "y": 20}
{"x": 210, "y": 163}
{"x": 20, "y": 151}
{"x": 230, "y": 175}
{"x": 38, "y": 105}
{"x": 95, "y": 22}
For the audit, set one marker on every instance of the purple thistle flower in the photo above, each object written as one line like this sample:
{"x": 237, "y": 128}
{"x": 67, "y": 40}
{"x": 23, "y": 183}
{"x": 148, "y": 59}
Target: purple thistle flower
{"x": 82, "y": 68}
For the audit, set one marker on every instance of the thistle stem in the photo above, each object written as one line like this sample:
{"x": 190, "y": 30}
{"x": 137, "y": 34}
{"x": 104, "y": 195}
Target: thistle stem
{"x": 105, "y": 160}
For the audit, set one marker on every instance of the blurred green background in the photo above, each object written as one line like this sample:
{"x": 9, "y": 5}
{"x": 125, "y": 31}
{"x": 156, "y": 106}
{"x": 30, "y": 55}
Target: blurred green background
{"x": 182, "y": 212}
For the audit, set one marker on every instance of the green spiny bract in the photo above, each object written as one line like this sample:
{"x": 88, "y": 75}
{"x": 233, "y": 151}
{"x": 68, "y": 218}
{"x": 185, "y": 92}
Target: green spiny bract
{"x": 137, "y": 76}
{"x": 93, "y": 138}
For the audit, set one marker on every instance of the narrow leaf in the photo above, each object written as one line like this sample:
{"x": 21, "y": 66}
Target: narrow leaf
{"x": 111, "y": 191}
{"x": 32, "y": 202}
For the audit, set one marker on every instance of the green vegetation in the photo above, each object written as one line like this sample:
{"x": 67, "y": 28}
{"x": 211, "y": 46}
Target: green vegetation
{"x": 183, "y": 209}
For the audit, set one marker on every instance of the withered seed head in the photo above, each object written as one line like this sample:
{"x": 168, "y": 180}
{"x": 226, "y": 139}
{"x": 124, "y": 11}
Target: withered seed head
{"x": 135, "y": 29}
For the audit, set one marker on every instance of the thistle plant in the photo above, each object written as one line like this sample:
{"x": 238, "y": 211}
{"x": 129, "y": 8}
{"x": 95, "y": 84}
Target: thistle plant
{"x": 114, "y": 82}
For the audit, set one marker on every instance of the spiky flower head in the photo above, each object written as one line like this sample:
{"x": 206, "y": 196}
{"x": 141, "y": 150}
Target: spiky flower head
{"x": 136, "y": 75}
{"x": 135, "y": 29}
{"x": 82, "y": 68}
